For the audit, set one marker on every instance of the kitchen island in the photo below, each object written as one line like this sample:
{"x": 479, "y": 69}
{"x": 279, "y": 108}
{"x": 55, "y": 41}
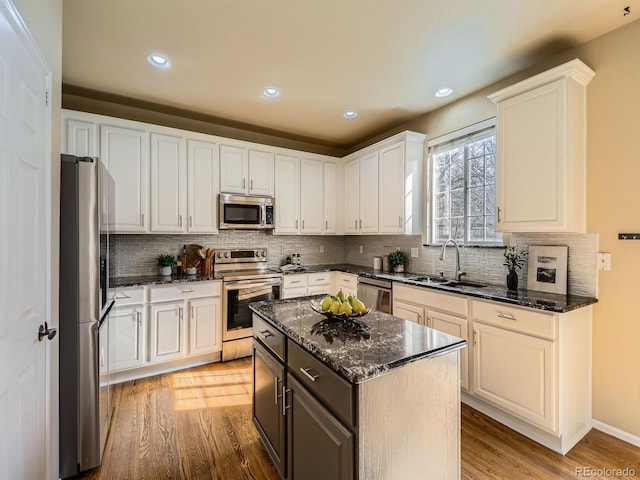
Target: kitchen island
{"x": 375, "y": 397}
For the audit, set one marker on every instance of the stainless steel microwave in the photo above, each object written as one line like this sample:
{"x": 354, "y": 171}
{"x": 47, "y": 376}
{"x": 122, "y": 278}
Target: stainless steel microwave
{"x": 245, "y": 212}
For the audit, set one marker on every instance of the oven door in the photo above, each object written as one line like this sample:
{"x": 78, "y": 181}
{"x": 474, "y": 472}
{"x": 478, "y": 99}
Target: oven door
{"x": 237, "y": 297}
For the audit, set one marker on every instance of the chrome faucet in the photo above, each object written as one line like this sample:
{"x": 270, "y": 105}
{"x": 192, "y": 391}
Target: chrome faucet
{"x": 459, "y": 273}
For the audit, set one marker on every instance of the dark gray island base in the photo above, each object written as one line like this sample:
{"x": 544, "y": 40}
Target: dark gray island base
{"x": 375, "y": 397}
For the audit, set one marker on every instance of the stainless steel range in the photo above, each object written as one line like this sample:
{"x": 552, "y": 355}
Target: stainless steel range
{"x": 245, "y": 279}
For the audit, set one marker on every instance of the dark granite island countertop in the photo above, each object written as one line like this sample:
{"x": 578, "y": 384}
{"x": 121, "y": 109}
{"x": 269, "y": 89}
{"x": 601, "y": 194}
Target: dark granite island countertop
{"x": 361, "y": 348}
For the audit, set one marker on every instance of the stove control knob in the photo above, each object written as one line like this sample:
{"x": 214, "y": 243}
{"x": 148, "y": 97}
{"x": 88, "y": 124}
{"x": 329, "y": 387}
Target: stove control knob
{"x": 219, "y": 254}
{"x": 226, "y": 254}
{"x": 256, "y": 253}
{"x": 263, "y": 253}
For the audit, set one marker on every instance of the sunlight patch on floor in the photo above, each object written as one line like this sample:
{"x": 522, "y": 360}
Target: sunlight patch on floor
{"x": 228, "y": 388}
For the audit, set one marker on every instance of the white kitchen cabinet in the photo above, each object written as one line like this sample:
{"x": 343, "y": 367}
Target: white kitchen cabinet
{"x": 125, "y": 152}
{"x": 287, "y": 199}
{"x": 311, "y": 193}
{"x": 361, "y": 194}
{"x": 330, "y": 197}
{"x": 127, "y": 330}
{"x": 167, "y": 331}
{"x": 541, "y": 162}
{"x": 81, "y": 138}
{"x": 515, "y": 372}
{"x": 347, "y": 282}
{"x": 203, "y": 186}
{"x": 246, "y": 172}
{"x": 303, "y": 284}
{"x": 318, "y": 283}
{"x": 168, "y": 184}
{"x": 392, "y": 188}
{"x": 205, "y": 325}
{"x": 440, "y": 311}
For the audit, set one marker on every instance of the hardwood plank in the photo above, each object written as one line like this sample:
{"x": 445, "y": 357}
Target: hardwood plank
{"x": 196, "y": 424}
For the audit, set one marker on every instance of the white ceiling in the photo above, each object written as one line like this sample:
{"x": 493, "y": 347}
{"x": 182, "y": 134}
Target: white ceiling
{"x": 383, "y": 58}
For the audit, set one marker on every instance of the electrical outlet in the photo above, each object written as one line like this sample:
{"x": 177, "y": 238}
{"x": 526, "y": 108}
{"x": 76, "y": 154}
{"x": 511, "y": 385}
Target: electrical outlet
{"x": 361, "y": 248}
{"x": 414, "y": 252}
{"x": 604, "y": 261}
{"x": 321, "y": 248}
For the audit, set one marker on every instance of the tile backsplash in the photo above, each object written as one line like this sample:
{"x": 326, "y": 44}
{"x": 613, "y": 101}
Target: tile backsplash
{"x": 136, "y": 254}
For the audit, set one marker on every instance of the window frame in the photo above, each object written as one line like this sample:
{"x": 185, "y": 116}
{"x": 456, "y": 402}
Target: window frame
{"x": 461, "y": 136}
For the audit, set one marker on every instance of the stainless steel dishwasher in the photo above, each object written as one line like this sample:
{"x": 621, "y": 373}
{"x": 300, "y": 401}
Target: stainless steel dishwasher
{"x": 375, "y": 293}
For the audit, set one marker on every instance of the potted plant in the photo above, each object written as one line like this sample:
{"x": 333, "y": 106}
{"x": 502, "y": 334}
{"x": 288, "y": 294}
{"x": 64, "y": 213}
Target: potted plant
{"x": 513, "y": 260}
{"x": 165, "y": 262}
{"x": 398, "y": 260}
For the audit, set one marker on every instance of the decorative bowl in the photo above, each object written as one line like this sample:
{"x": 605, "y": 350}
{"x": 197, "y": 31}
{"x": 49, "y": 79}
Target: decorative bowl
{"x": 316, "y": 307}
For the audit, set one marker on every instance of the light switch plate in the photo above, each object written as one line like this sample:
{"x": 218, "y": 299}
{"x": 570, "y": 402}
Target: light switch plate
{"x": 361, "y": 248}
{"x": 414, "y": 252}
{"x": 321, "y": 248}
{"x": 604, "y": 261}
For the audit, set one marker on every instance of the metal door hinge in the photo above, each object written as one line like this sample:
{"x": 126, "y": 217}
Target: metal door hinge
{"x": 46, "y": 98}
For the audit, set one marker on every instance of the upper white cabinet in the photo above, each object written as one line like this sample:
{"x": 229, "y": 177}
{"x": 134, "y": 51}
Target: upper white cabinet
{"x": 246, "y": 172}
{"x": 541, "y": 163}
{"x": 168, "y": 184}
{"x": 203, "y": 181}
{"x": 383, "y": 186}
{"x": 125, "y": 152}
{"x": 81, "y": 138}
{"x": 301, "y": 206}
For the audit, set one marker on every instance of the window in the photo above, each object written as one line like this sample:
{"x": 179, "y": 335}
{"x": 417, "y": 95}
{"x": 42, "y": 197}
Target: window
{"x": 462, "y": 170}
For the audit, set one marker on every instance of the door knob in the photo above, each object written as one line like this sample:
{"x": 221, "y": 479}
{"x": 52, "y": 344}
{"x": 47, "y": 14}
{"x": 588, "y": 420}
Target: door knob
{"x": 45, "y": 331}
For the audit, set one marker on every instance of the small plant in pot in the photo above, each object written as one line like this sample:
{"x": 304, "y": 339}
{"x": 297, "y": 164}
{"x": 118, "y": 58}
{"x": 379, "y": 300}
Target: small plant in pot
{"x": 398, "y": 260}
{"x": 165, "y": 262}
{"x": 513, "y": 260}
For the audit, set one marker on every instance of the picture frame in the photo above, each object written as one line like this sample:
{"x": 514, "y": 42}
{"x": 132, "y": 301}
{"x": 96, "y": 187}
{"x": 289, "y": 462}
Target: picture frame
{"x": 547, "y": 268}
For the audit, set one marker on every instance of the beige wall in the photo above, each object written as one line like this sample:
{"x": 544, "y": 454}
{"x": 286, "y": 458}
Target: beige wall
{"x": 44, "y": 20}
{"x": 613, "y": 192}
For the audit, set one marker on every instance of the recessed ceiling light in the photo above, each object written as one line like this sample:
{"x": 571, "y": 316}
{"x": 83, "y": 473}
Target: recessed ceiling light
{"x": 271, "y": 92}
{"x": 443, "y": 92}
{"x": 159, "y": 61}
{"x": 350, "y": 114}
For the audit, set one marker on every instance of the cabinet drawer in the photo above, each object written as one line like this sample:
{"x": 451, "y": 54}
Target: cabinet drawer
{"x": 346, "y": 280}
{"x": 323, "y": 382}
{"x": 129, "y": 296}
{"x": 269, "y": 336}
{"x": 180, "y": 291}
{"x": 323, "y": 278}
{"x": 294, "y": 281}
{"x": 450, "y": 303}
{"x": 521, "y": 320}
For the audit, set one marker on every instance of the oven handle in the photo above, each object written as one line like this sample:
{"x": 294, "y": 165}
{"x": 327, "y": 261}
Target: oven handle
{"x": 239, "y": 284}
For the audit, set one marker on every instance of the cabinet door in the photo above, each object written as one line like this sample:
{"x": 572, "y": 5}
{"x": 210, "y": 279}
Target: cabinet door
{"x": 125, "y": 152}
{"x": 126, "y": 337}
{"x": 203, "y": 179}
{"x": 330, "y": 179}
{"x": 515, "y": 372}
{"x": 287, "y": 208}
{"x": 352, "y": 196}
{"x": 80, "y": 138}
{"x": 368, "y": 221}
{"x": 268, "y": 417}
{"x": 532, "y": 160}
{"x": 167, "y": 331}
{"x": 205, "y": 325}
{"x": 293, "y": 292}
{"x": 454, "y": 326}
{"x": 392, "y": 196}
{"x": 168, "y": 184}
{"x": 408, "y": 311}
{"x": 234, "y": 169}
{"x": 311, "y": 191}
{"x": 261, "y": 173}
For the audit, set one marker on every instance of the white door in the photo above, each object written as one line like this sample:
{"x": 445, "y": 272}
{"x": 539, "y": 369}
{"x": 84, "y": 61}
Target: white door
{"x": 261, "y": 173}
{"x": 287, "y": 194}
{"x": 203, "y": 173}
{"x": 168, "y": 184}
{"x": 25, "y": 123}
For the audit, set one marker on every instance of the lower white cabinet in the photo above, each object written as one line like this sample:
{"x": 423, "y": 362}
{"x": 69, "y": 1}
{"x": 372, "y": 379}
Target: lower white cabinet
{"x": 302, "y": 284}
{"x": 127, "y": 330}
{"x": 347, "y": 282}
{"x": 204, "y": 325}
{"x": 459, "y": 327}
{"x": 409, "y": 311}
{"x": 167, "y": 331}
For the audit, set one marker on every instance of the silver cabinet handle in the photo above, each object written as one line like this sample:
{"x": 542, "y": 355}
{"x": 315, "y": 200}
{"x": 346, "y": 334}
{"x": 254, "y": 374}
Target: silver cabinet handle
{"x": 244, "y": 182}
{"x": 326, "y": 224}
{"x": 181, "y": 313}
{"x": 193, "y": 313}
{"x": 499, "y": 218}
{"x": 308, "y": 375}
{"x": 508, "y": 316}
{"x": 284, "y": 400}
{"x": 266, "y": 333}
{"x": 399, "y": 221}
{"x": 303, "y": 224}
{"x": 139, "y": 319}
{"x": 251, "y": 186}
{"x": 187, "y": 291}
{"x": 475, "y": 337}
{"x": 296, "y": 223}
{"x": 120, "y": 296}
{"x": 360, "y": 224}
{"x": 295, "y": 281}
{"x": 180, "y": 221}
{"x": 142, "y": 219}
{"x": 190, "y": 221}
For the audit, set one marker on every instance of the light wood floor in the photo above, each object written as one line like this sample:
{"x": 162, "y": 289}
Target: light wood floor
{"x": 196, "y": 424}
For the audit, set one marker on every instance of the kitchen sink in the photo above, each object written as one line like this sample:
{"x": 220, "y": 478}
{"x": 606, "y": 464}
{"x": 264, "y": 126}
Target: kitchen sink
{"x": 445, "y": 282}
{"x": 463, "y": 283}
{"x": 427, "y": 279}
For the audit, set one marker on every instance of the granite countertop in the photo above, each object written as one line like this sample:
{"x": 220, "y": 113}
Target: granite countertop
{"x": 143, "y": 280}
{"x": 360, "y": 348}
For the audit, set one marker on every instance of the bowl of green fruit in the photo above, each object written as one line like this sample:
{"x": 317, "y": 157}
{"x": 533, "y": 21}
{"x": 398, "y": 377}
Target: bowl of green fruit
{"x": 340, "y": 306}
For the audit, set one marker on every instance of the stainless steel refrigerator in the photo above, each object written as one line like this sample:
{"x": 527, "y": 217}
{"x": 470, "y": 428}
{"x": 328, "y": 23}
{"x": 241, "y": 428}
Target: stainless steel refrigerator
{"x": 86, "y": 214}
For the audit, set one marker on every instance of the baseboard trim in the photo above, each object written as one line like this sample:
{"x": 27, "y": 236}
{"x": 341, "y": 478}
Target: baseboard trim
{"x": 616, "y": 432}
